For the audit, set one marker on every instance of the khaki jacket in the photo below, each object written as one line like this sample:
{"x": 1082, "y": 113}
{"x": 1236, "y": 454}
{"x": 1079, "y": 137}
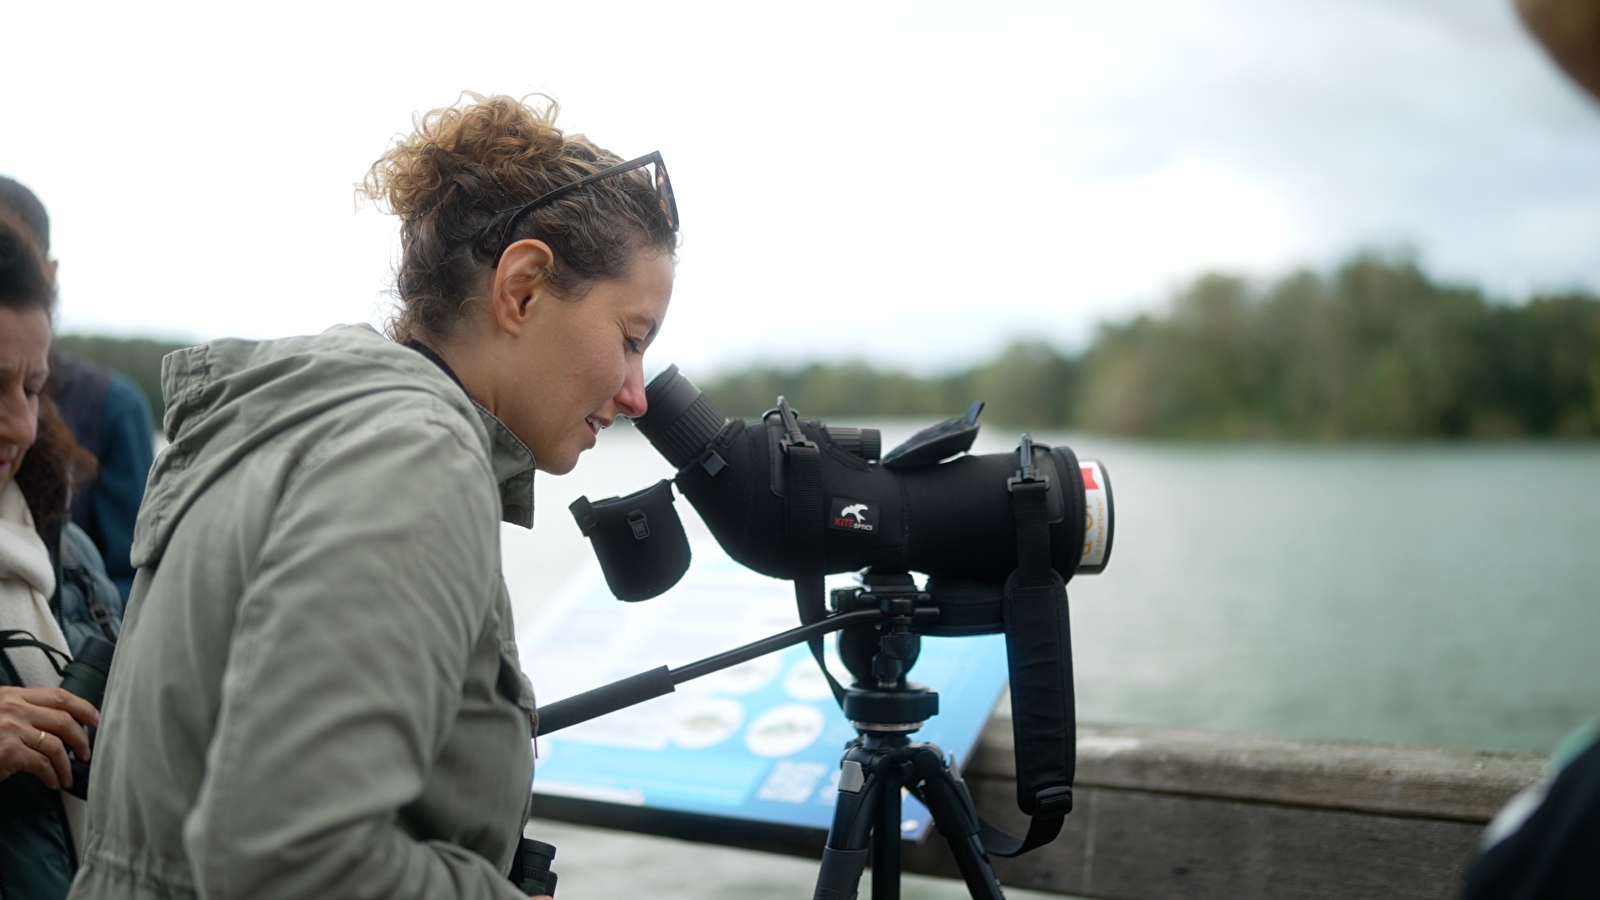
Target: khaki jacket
{"x": 317, "y": 692}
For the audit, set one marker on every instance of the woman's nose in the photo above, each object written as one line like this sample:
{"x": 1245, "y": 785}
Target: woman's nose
{"x": 630, "y": 400}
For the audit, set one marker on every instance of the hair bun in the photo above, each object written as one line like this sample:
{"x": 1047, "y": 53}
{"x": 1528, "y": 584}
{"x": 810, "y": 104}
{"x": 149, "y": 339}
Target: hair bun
{"x": 478, "y": 150}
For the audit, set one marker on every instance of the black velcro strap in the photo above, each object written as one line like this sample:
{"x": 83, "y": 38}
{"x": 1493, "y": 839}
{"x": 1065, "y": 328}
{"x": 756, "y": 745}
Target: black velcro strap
{"x": 1033, "y": 532}
{"x": 1039, "y": 654}
{"x": 808, "y": 595}
{"x": 803, "y": 495}
{"x": 1043, "y": 709}
{"x": 1041, "y": 830}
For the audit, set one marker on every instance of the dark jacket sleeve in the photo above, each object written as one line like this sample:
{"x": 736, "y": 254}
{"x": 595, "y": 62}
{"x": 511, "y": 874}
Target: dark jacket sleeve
{"x": 127, "y": 450}
{"x": 1542, "y": 845}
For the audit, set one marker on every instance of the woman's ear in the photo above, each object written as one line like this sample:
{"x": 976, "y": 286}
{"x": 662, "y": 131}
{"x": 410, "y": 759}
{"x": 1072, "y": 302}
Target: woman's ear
{"x": 519, "y": 283}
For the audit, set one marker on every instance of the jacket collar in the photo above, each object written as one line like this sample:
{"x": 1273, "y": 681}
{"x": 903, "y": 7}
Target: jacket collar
{"x": 513, "y": 465}
{"x": 512, "y": 461}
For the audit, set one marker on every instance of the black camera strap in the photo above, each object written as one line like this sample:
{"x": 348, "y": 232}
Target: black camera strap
{"x": 803, "y": 498}
{"x": 1039, "y": 653}
{"x": 18, "y": 640}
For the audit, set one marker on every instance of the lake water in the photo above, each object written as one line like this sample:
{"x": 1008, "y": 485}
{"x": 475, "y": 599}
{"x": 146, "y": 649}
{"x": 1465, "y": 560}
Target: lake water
{"x": 1437, "y": 594}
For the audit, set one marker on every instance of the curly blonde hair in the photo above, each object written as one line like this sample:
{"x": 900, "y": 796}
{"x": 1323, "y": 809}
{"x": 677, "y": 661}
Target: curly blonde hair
{"x": 462, "y": 172}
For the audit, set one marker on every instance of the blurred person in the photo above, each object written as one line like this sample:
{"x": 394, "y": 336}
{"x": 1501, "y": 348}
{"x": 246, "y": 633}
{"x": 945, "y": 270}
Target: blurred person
{"x": 1570, "y": 32}
{"x": 1545, "y": 843}
{"x": 108, "y": 416}
{"x": 54, "y": 593}
{"x": 317, "y": 692}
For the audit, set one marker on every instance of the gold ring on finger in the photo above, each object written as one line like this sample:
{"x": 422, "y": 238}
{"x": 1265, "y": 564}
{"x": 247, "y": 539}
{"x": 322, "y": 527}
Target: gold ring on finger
{"x": 39, "y": 741}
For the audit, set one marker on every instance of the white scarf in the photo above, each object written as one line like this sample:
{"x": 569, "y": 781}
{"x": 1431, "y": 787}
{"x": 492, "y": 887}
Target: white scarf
{"x": 27, "y": 582}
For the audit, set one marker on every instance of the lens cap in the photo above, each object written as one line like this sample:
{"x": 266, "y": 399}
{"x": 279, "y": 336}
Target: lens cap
{"x": 638, "y": 539}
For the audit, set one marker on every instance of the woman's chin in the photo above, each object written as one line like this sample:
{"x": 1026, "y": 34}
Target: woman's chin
{"x": 559, "y": 465}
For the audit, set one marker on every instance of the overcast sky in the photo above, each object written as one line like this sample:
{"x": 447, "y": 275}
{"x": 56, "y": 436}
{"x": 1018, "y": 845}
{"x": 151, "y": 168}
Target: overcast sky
{"x": 911, "y": 183}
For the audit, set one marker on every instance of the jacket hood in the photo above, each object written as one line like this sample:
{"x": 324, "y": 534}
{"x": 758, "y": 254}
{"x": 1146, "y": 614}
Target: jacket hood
{"x": 229, "y": 397}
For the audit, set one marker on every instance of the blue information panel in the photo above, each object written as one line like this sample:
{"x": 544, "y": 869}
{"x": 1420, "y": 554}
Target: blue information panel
{"x": 761, "y": 741}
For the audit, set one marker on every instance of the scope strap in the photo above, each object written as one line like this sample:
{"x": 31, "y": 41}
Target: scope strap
{"x": 1039, "y": 653}
{"x": 1041, "y": 830}
{"x": 804, "y": 499}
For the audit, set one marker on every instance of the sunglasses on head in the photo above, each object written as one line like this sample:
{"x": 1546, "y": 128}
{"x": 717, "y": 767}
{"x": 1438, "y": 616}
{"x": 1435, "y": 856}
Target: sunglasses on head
{"x": 669, "y": 206}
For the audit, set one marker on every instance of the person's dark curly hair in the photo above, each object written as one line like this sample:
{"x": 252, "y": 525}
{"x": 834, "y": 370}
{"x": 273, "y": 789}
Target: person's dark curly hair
{"x": 55, "y": 463}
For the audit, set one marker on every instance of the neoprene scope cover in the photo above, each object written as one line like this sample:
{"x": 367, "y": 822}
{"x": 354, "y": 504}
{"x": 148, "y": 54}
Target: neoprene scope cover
{"x": 638, "y": 539}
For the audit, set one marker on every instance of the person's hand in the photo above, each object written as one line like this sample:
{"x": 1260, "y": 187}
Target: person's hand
{"x": 37, "y": 728}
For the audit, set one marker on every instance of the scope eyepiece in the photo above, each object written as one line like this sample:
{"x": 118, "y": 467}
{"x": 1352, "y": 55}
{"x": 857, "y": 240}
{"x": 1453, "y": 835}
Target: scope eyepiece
{"x": 680, "y": 421}
{"x": 866, "y": 443}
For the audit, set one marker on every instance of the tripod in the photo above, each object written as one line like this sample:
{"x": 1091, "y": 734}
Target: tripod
{"x": 879, "y": 645}
{"x": 885, "y": 710}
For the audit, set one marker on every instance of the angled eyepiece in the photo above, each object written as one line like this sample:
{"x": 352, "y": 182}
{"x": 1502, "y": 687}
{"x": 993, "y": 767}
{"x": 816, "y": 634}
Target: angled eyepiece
{"x": 680, "y": 421}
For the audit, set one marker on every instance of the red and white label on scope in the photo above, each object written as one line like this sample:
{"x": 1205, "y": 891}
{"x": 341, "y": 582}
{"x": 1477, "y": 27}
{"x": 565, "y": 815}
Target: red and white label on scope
{"x": 1096, "y": 513}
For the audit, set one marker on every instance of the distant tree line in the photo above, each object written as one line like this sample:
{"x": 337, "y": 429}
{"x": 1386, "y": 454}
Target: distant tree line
{"x": 1373, "y": 348}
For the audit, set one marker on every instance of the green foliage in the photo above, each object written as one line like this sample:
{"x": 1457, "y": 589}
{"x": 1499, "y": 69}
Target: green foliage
{"x": 851, "y": 390}
{"x": 1029, "y": 384}
{"x": 137, "y": 358}
{"x": 1374, "y": 348}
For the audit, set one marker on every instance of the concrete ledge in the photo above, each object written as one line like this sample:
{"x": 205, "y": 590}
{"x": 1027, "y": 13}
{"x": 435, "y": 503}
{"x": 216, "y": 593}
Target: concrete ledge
{"x": 1391, "y": 779}
{"x": 1167, "y": 813}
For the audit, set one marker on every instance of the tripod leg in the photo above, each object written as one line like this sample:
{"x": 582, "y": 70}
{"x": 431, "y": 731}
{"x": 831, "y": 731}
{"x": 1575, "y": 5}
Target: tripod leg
{"x": 845, "y": 856}
{"x": 886, "y": 830}
{"x": 953, "y": 812}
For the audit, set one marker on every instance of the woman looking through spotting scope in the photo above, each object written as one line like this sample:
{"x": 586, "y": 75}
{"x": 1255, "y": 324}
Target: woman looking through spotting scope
{"x": 317, "y": 692}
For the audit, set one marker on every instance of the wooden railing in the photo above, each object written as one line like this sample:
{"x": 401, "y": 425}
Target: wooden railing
{"x": 1166, "y": 813}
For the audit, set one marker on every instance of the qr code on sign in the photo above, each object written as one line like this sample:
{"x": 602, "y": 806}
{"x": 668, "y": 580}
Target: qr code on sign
{"x": 791, "y": 782}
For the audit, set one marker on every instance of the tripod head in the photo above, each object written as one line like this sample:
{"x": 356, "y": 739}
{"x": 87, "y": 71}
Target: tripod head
{"x": 881, "y": 653}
